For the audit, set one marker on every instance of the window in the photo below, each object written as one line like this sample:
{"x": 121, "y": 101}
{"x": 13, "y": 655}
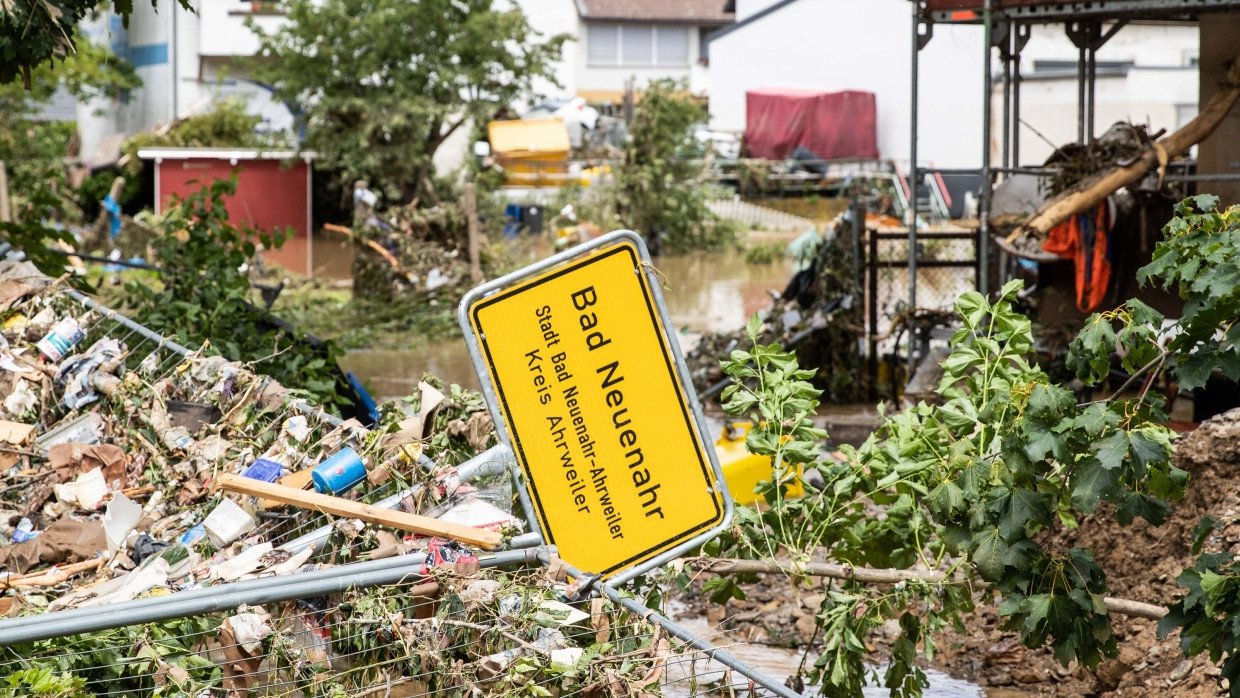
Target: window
{"x": 673, "y": 46}
{"x": 637, "y": 45}
{"x": 704, "y": 44}
{"x": 604, "y": 44}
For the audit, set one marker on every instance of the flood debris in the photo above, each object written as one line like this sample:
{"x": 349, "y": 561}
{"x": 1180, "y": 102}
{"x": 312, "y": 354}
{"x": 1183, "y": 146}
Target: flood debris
{"x": 818, "y": 315}
{"x": 177, "y": 477}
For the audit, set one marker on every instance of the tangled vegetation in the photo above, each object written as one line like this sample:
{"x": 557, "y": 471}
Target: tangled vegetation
{"x": 969, "y": 489}
{"x": 203, "y": 296}
{"x": 659, "y": 192}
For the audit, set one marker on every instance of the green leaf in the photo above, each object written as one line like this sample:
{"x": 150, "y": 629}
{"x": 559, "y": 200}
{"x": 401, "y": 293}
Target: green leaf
{"x": 1206, "y": 202}
{"x": 1112, "y": 449}
{"x": 947, "y": 499}
{"x": 1146, "y": 450}
{"x": 1205, "y": 527}
{"x": 990, "y": 554}
{"x": 1020, "y": 507}
{"x": 1091, "y": 483}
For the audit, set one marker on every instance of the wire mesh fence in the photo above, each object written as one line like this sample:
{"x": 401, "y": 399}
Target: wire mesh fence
{"x": 485, "y": 633}
{"x": 946, "y": 268}
{"x": 303, "y": 604}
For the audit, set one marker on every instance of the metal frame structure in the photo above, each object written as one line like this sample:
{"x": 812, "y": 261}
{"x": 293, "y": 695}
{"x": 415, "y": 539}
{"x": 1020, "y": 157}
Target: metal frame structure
{"x": 493, "y": 402}
{"x": 400, "y": 569}
{"x": 1007, "y": 26}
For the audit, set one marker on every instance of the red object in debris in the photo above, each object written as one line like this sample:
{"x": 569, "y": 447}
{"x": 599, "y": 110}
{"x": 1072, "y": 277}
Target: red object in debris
{"x": 831, "y": 125}
{"x": 273, "y": 191}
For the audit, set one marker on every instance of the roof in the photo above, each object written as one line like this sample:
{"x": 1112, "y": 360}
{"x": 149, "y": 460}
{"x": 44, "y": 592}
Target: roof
{"x": 710, "y": 12}
{"x": 967, "y": 11}
{"x": 751, "y": 18}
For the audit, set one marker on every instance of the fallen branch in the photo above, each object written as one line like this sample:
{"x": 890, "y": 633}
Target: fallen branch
{"x": 1090, "y": 192}
{"x": 867, "y": 575}
{"x": 374, "y": 246}
{"x": 50, "y": 577}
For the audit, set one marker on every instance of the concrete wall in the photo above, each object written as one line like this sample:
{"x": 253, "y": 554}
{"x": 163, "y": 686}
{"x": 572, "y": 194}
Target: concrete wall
{"x": 1220, "y": 153}
{"x": 840, "y": 44}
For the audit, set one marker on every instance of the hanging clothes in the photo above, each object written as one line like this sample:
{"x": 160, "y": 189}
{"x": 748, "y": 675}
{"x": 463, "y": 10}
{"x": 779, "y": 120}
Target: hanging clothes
{"x": 1086, "y": 239}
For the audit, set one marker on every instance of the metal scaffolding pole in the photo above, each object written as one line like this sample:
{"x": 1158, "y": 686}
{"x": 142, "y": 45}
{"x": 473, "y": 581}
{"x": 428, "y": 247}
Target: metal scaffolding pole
{"x": 1020, "y": 37}
{"x": 1091, "y": 78}
{"x": 983, "y": 212}
{"x": 1080, "y": 90}
{"x": 229, "y": 596}
{"x": 1005, "y": 52}
{"x": 912, "y": 177}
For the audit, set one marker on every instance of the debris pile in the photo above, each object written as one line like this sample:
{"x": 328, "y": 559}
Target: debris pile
{"x": 119, "y": 456}
{"x": 409, "y": 250}
{"x": 818, "y": 315}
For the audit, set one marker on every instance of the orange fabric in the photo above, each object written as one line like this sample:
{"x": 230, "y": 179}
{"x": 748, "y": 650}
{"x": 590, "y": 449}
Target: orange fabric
{"x": 1085, "y": 240}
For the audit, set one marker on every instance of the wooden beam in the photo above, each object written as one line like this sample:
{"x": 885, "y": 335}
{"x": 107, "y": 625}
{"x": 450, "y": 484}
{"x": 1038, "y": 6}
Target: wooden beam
{"x": 336, "y": 506}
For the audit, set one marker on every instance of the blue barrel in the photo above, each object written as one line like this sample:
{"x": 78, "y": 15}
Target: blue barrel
{"x": 339, "y": 473}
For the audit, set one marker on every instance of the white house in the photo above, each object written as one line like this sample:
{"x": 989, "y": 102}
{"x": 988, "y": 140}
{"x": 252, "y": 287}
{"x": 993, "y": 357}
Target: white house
{"x": 1146, "y": 73}
{"x": 847, "y": 45}
{"x": 185, "y": 60}
{"x": 619, "y": 40}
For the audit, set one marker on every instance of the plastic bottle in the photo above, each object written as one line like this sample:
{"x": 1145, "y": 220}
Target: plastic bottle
{"x": 24, "y": 531}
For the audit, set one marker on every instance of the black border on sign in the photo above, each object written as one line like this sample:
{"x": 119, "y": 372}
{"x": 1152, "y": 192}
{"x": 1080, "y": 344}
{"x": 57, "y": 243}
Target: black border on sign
{"x": 671, "y": 369}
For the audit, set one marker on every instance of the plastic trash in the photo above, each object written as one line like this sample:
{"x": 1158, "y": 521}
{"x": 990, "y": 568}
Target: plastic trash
{"x": 63, "y": 337}
{"x": 193, "y": 535}
{"x": 227, "y": 523}
{"x": 24, "y": 531}
{"x": 264, "y": 470}
{"x": 339, "y": 473}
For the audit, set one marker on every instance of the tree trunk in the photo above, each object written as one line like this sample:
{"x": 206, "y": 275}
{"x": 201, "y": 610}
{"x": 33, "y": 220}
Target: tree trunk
{"x": 469, "y": 202}
{"x": 1090, "y": 192}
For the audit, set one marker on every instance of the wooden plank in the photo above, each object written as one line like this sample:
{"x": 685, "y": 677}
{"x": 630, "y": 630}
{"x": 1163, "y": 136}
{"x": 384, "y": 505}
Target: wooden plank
{"x": 336, "y": 506}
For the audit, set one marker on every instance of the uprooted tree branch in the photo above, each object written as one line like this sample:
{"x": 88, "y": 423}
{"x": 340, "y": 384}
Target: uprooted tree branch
{"x": 1093, "y": 190}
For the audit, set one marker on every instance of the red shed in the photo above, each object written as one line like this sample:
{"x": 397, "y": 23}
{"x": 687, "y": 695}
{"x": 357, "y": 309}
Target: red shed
{"x": 273, "y": 191}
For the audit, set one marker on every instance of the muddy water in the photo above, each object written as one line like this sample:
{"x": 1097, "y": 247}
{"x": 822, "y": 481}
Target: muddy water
{"x": 704, "y": 292}
{"x": 780, "y": 663}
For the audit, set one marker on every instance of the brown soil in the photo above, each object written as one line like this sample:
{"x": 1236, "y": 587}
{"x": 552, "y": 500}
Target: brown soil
{"x": 1141, "y": 562}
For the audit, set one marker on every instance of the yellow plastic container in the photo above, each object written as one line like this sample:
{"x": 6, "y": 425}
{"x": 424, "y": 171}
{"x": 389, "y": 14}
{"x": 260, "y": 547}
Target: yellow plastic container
{"x": 743, "y": 470}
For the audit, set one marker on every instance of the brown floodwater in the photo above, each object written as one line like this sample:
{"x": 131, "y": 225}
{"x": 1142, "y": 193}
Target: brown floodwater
{"x": 704, "y": 293}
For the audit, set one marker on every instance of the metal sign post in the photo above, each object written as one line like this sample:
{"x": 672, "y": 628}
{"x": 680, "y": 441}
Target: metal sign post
{"x": 578, "y": 367}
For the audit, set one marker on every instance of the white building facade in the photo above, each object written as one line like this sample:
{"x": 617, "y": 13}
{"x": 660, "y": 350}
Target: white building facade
{"x": 1147, "y": 73}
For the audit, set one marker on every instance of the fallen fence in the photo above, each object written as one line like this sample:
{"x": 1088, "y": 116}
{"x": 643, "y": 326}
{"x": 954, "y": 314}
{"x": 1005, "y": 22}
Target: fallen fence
{"x": 410, "y": 624}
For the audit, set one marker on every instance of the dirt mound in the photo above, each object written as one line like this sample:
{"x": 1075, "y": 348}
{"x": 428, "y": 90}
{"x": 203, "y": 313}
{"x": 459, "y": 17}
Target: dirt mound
{"x": 1141, "y": 562}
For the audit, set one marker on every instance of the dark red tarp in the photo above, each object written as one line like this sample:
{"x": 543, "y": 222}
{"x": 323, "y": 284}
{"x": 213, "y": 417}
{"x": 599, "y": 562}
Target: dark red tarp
{"x": 831, "y": 125}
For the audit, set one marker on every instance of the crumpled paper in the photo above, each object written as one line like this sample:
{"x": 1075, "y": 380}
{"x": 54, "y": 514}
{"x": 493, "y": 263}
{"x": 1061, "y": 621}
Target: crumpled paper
{"x": 65, "y": 540}
{"x": 69, "y": 459}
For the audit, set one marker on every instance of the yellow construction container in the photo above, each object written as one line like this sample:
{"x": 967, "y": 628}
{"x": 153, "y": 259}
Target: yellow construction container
{"x": 743, "y": 470}
{"x": 533, "y": 153}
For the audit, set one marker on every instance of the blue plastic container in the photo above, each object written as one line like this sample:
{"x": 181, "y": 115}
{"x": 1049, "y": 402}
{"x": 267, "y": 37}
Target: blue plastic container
{"x": 339, "y": 473}
{"x": 263, "y": 469}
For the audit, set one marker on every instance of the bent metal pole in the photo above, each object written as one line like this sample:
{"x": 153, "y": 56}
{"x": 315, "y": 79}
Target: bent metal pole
{"x": 226, "y": 597}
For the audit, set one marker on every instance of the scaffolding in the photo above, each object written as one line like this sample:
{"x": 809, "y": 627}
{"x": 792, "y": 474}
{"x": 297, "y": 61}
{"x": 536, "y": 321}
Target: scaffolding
{"x": 1007, "y": 27}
